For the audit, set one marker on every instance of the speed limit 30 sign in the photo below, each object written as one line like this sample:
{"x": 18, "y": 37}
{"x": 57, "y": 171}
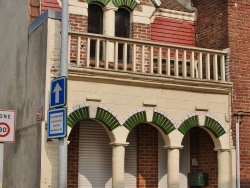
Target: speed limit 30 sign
{"x": 7, "y": 125}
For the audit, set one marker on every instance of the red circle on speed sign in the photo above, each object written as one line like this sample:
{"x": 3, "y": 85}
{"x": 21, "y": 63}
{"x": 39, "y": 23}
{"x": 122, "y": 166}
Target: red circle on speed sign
{"x": 4, "y": 128}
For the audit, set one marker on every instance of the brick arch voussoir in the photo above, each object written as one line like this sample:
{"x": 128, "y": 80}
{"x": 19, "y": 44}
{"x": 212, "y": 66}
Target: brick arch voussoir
{"x": 188, "y": 123}
{"x": 103, "y": 2}
{"x": 79, "y": 113}
{"x": 162, "y": 120}
{"x": 107, "y": 117}
{"x": 135, "y": 118}
{"x": 131, "y": 4}
{"x": 214, "y": 126}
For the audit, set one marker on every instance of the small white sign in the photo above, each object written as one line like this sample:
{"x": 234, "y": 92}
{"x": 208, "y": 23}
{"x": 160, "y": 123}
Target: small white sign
{"x": 57, "y": 123}
{"x": 7, "y": 125}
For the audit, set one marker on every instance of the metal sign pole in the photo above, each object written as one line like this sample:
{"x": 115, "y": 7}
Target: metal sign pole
{"x": 1, "y": 162}
{"x": 62, "y": 143}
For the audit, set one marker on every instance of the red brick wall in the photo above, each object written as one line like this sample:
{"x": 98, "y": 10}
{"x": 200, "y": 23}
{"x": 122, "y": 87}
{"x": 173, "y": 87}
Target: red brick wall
{"x": 73, "y": 157}
{"x": 78, "y": 23}
{"x": 34, "y": 10}
{"x": 211, "y": 25}
{"x": 173, "y": 31}
{"x": 202, "y": 149}
{"x": 147, "y": 157}
{"x": 239, "y": 44}
{"x": 50, "y": 4}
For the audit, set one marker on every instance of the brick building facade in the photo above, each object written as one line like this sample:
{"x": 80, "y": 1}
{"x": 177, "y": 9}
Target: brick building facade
{"x": 154, "y": 91}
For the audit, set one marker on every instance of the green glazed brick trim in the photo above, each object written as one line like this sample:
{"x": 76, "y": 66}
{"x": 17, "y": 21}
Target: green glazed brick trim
{"x": 135, "y": 119}
{"x": 104, "y": 2}
{"x": 132, "y": 4}
{"x": 156, "y": 3}
{"x": 214, "y": 126}
{"x": 189, "y": 123}
{"x": 78, "y": 115}
{"x": 107, "y": 118}
{"x": 163, "y": 122}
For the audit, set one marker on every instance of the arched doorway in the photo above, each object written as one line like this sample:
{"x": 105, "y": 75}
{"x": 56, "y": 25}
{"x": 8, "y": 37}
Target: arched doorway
{"x": 203, "y": 157}
{"x": 89, "y": 156}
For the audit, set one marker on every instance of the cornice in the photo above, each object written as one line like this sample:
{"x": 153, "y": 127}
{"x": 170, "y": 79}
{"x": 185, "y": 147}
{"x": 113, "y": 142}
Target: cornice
{"x": 147, "y": 80}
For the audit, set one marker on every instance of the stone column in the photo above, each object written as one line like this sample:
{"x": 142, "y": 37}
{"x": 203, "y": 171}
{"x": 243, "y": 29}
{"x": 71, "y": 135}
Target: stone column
{"x": 109, "y": 28}
{"x": 118, "y": 158}
{"x": 173, "y": 167}
{"x": 223, "y": 168}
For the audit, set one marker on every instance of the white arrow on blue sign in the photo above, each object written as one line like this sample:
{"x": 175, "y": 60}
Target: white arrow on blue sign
{"x": 58, "y": 91}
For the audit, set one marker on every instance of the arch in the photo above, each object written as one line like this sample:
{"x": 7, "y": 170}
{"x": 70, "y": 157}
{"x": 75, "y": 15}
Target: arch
{"x": 188, "y": 123}
{"x": 135, "y": 118}
{"x": 156, "y": 3}
{"x": 106, "y": 116}
{"x": 161, "y": 119}
{"x": 214, "y": 126}
{"x": 104, "y": 2}
{"x": 80, "y": 113}
{"x": 132, "y": 4}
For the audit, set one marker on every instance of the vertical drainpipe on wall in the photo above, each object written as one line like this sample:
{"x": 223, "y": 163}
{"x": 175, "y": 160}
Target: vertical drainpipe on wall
{"x": 237, "y": 154}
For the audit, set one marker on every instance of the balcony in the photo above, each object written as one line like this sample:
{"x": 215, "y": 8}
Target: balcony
{"x": 145, "y": 58}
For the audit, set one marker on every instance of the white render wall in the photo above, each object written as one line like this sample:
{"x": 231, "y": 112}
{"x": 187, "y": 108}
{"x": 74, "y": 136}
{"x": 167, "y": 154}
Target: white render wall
{"x": 124, "y": 99}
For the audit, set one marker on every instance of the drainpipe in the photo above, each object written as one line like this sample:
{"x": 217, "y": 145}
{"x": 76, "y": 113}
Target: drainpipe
{"x": 238, "y": 153}
{"x": 240, "y": 115}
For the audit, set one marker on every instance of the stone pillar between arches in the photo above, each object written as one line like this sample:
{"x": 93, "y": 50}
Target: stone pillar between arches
{"x": 173, "y": 167}
{"x": 224, "y": 169}
{"x": 118, "y": 163}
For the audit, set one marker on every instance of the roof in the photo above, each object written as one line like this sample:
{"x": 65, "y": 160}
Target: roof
{"x": 50, "y": 4}
{"x": 173, "y": 5}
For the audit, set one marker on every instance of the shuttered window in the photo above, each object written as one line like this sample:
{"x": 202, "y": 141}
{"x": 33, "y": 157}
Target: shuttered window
{"x": 95, "y": 156}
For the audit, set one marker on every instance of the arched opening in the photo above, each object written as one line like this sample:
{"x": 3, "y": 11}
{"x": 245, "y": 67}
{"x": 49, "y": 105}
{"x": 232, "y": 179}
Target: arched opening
{"x": 89, "y": 156}
{"x": 122, "y": 29}
{"x": 95, "y": 25}
{"x": 203, "y": 158}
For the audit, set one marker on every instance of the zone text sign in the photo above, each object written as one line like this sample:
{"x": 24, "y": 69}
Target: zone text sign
{"x": 7, "y": 125}
{"x": 57, "y": 123}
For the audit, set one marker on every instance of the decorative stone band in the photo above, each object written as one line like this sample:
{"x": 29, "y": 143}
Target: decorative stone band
{"x": 160, "y": 119}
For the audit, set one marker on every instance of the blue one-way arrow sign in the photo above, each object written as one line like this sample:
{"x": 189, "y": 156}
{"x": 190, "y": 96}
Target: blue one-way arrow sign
{"x": 58, "y": 89}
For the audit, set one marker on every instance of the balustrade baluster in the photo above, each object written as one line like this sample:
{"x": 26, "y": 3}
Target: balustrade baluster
{"x": 176, "y": 63}
{"x": 184, "y": 64}
{"x": 200, "y": 73}
{"x": 142, "y": 58}
{"x": 116, "y": 56}
{"x": 97, "y": 53}
{"x": 125, "y": 61}
{"x": 88, "y": 53}
{"x": 159, "y": 61}
{"x": 208, "y": 66}
{"x": 215, "y": 67}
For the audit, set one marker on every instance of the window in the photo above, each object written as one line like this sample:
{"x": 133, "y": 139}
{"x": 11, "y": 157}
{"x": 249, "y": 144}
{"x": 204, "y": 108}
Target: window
{"x": 95, "y": 25}
{"x": 122, "y": 29}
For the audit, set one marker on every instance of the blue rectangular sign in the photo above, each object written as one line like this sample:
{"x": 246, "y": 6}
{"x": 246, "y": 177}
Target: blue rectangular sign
{"x": 58, "y": 92}
{"x": 57, "y": 123}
